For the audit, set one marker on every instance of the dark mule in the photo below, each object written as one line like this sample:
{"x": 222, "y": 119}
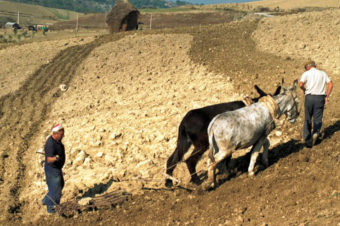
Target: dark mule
{"x": 193, "y": 130}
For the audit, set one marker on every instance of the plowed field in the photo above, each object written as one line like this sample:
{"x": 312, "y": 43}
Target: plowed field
{"x": 300, "y": 187}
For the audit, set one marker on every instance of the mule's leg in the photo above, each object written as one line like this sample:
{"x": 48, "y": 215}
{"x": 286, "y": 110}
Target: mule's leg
{"x": 201, "y": 144}
{"x": 254, "y": 154}
{"x": 220, "y": 156}
{"x": 183, "y": 145}
{"x": 223, "y": 166}
{"x": 192, "y": 162}
{"x": 266, "y": 145}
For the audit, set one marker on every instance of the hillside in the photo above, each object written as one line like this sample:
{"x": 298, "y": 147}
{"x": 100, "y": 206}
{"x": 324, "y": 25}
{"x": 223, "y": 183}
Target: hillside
{"x": 283, "y": 5}
{"x": 79, "y": 6}
{"x": 291, "y": 4}
{"x": 160, "y": 19}
{"x": 32, "y": 14}
{"x": 91, "y": 6}
{"x": 126, "y": 96}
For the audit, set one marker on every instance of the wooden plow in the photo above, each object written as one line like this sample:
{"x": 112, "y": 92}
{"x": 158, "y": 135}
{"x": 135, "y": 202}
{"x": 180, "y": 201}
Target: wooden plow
{"x": 107, "y": 201}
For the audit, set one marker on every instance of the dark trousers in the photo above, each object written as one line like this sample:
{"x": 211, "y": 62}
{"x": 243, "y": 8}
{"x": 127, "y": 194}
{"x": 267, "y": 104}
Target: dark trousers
{"x": 314, "y": 106}
{"x": 55, "y": 184}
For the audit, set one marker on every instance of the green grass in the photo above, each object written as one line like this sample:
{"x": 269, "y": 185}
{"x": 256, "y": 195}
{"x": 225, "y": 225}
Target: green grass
{"x": 62, "y": 15}
{"x": 33, "y": 14}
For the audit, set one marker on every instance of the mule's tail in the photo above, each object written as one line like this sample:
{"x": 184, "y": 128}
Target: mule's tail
{"x": 183, "y": 145}
{"x": 212, "y": 142}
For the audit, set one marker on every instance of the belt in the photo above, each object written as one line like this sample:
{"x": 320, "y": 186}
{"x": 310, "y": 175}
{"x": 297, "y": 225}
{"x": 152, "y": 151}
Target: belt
{"x": 316, "y": 95}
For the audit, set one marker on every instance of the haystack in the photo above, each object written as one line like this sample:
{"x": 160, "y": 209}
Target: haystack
{"x": 122, "y": 17}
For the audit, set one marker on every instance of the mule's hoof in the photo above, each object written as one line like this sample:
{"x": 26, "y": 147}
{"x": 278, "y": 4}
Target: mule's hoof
{"x": 207, "y": 186}
{"x": 168, "y": 183}
{"x": 251, "y": 174}
{"x": 222, "y": 177}
{"x": 265, "y": 164}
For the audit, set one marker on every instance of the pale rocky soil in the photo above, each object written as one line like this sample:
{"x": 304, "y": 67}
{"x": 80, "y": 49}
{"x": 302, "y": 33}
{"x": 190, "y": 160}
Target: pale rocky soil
{"x": 293, "y": 4}
{"x": 312, "y": 35}
{"x": 127, "y": 128}
{"x": 285, "y": 5}
{"x": 21, "y": 61}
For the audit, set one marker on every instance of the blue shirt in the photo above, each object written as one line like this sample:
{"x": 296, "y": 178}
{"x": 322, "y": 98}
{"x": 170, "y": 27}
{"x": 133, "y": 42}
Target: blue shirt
{"x": 53, "y": 148}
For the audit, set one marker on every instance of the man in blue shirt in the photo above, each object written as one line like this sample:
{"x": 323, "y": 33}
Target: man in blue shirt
{"x": 54, "y": 162}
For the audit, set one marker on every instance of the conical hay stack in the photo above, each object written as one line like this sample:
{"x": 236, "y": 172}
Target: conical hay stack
{"x": 122, "y": 13}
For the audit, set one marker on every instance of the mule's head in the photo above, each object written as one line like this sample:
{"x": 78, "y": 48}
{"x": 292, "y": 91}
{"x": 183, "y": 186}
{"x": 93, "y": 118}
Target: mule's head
{"x": 262, "y": 93}
{"x": 290, "y": 102}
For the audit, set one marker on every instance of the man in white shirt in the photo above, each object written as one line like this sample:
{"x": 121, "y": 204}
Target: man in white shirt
{"x": 314, "y": 82}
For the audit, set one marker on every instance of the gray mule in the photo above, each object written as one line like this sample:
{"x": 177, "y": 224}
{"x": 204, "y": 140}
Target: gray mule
{"x": 249, "y": 126}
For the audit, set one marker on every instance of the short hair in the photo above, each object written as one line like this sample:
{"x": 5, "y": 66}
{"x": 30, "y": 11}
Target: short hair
{"x": 310, "y": 63}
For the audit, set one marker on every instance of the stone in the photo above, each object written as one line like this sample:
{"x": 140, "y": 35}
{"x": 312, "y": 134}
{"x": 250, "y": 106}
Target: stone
{"x": 99, "y": 155}
{"x": 85, "y": 201}
{"x": 63, "y": 87}
{"x": 278, "y": 133}
{"x": 79, "y": 159}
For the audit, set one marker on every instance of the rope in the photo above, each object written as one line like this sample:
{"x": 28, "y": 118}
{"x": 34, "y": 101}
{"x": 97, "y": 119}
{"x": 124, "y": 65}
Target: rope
{"x": 52, "y": 200}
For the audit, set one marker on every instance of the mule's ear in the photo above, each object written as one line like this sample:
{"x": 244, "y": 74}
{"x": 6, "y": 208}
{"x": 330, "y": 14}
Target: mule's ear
{"x": 277, "y": 91}
{"x": 260, "y": 91}
{"x": 283, "y": 86}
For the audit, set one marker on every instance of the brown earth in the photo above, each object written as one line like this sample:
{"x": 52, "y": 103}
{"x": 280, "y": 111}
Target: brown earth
{"x": 21, "y": 115}
{"x": 23, "y": 60}
{"x": 300, "y": 187}
{"x": 130, "y": 135}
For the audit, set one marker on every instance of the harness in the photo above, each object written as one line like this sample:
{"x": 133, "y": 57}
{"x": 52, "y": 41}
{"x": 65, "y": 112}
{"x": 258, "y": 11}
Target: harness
{"x": 269, "y": 103}
{"x": 247, "y": 101}
{"x": 273, "y": 108}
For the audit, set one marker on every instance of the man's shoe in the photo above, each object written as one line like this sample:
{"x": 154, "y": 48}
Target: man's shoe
{"x": 315, "y": 138}
{"x": 50, "y": 209}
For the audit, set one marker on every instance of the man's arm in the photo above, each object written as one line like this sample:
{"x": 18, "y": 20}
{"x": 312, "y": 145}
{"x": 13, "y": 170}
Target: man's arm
{"x": 50, "y": 154}
{"x": 302, "y": 86}
{"x": 52, "y": 159}
{"x": 329, "y": 90}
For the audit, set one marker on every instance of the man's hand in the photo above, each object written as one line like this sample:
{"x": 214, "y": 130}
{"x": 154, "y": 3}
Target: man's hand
{"x": 53, "y": 159}
{"x": 302, "y": 86}
{"x": 329, "y": 90}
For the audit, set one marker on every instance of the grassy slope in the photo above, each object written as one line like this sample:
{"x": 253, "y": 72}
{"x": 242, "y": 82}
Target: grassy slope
{"x": 33, "y": 14}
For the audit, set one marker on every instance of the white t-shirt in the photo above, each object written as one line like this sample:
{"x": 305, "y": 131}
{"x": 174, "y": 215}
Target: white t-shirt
{"x": 315, "y": 81}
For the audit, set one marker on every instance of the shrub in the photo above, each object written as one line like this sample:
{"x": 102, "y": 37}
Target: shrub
{"x": 25, "y": 34}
